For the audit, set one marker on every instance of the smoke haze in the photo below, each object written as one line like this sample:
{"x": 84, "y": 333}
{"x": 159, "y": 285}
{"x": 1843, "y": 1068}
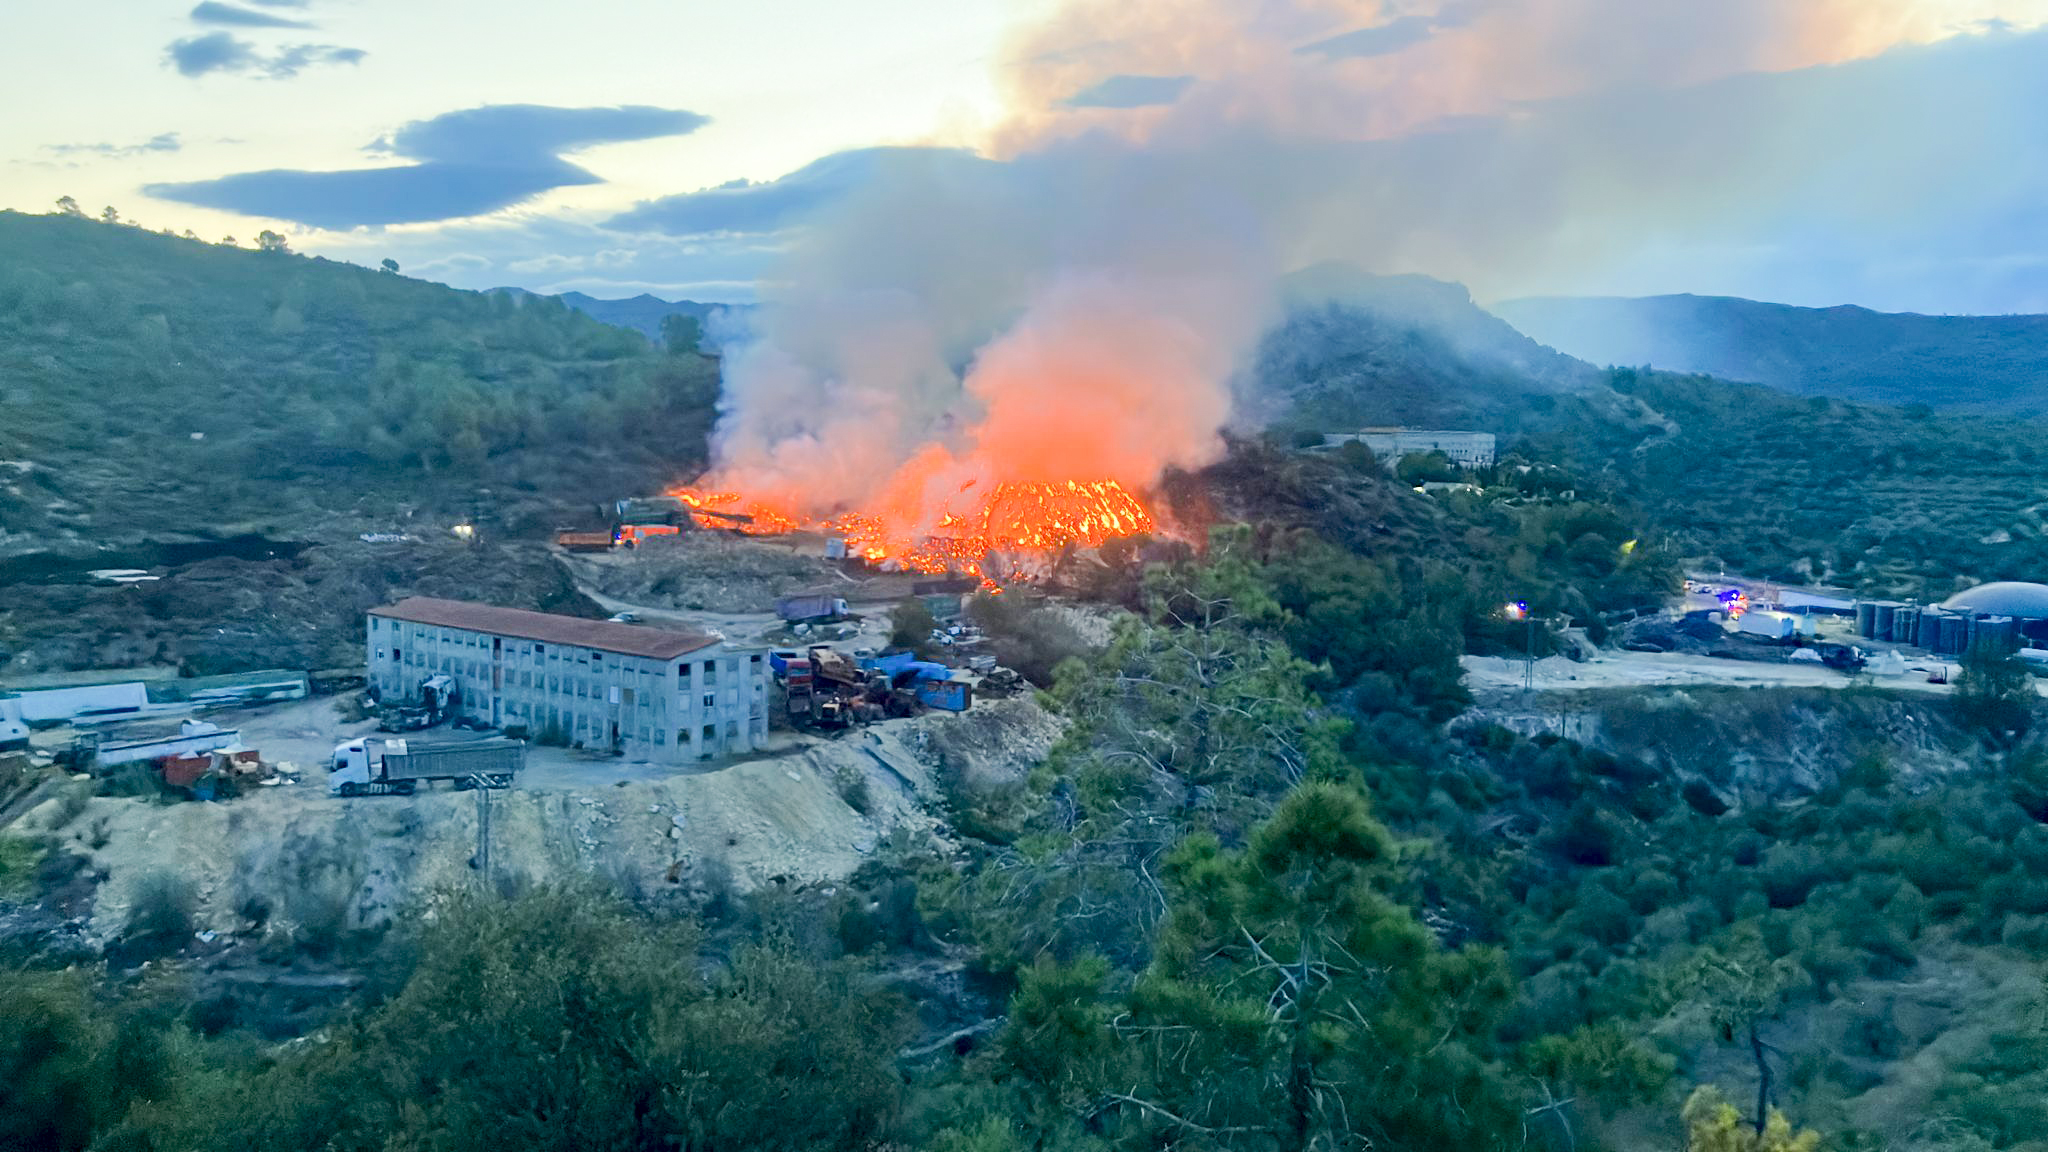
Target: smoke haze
{"x": 1073, "y": 302}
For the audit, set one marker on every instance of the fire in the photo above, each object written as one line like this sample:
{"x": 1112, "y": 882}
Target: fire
{"x": 1031, "y": 521}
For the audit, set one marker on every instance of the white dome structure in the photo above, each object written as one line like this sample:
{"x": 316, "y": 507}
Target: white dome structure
{"x": 2019, "y": 601}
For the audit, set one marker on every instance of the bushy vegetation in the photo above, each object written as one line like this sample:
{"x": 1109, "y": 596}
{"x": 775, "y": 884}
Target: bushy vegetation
{"x": 211, "y": 367}
{"x": 557, "y": 1020}
{"x": 1889, "y": 500}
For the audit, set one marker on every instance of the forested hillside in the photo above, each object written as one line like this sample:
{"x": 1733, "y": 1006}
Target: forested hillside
{"x": 1900, "y": 501}
{"x": 1986, "y": 364}
{"x": 151, "y": 381}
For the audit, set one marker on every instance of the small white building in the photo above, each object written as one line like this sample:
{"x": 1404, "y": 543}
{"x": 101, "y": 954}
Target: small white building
{"x": 1465, "y": 449}
{"x": 666, "y": 696}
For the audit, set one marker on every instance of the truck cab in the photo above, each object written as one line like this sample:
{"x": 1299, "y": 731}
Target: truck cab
{"x": 349, "y": 775}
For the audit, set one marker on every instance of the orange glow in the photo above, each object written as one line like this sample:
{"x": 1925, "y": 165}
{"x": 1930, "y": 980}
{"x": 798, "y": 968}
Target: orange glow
{"x": 1030, "y": 521}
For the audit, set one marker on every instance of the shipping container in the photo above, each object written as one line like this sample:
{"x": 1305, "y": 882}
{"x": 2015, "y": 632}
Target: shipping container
{"x": 945, "y": 695}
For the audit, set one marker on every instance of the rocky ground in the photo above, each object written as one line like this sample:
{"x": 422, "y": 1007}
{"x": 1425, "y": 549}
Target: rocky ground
{"x": 722, "y": 573}
{"x": 1749, "y": 741}
{"x": 290, "y": 860}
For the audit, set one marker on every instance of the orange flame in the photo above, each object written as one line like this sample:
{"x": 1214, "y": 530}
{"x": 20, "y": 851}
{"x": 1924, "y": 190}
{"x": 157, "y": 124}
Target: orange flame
{"x": 1032, "y": 521}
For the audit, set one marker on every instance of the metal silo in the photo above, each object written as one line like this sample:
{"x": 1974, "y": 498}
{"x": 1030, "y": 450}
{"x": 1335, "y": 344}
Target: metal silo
{"x": 1997, "y": 635}
{"x": 1866, "y": 618}
{"x": 1952, "y": 635}
{"x": 1905, "y": 625}
{"x": 1881, "y": 627}
{"x": 1928, "y": 634}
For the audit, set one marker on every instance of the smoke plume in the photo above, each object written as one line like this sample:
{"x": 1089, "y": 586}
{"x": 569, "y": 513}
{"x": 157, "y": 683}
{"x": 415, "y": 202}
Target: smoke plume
{"x": 1072, "y": 301}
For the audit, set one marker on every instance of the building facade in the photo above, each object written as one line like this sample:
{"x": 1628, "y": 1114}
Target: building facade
{"x": 1465, "y": 449}
{"x": 662, "y": 696}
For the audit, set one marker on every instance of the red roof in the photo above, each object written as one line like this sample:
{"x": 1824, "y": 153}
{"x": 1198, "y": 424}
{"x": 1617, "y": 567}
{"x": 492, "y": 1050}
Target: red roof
{"x": 603, "y": 635}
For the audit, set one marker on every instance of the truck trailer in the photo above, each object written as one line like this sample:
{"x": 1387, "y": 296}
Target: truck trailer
{"x": 374, "y": 767}
{"x": 796, "y": 608}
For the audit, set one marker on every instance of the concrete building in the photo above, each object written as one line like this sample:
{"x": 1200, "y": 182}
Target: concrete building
{"x": 668, "y": 697}
{"x": 1465, "y": 449}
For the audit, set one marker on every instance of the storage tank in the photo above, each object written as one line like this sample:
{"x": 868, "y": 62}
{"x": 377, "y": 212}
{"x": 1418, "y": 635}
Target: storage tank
{"x": 1997, "y": 634}
{"x": 1950, "y": 642}
{"x": 1905, "y": 625}
{"x": 1866, "y": 618}
{"x": 1930, "y": 629}
{"x": 1881, "y": 626}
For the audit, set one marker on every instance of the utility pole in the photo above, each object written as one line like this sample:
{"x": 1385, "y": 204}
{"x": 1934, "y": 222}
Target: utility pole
{"x": 1529, "y": 665}
{"x": 482, "y": 787}
{"x": 1519, "y": 610}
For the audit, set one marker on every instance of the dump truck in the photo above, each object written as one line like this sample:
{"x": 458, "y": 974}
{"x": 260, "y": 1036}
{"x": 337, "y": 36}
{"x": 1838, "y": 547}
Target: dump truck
{"x": 375, "y": 767}
{"x": 795, "y": 608}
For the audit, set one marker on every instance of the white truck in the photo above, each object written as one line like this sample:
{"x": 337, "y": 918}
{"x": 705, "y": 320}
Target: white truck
{"x": 369, "y": 766}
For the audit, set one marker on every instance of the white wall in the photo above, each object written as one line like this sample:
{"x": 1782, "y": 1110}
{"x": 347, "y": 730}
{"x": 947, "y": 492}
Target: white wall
{"x": 63, "y": 703}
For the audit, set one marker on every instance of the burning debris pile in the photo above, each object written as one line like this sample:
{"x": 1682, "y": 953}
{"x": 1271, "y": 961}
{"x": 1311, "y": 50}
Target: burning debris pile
{"x": 1025, "y": 523}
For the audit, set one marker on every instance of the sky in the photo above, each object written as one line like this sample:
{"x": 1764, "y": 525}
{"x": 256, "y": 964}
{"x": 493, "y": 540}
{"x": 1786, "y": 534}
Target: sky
{"x": 1876, "y": 152}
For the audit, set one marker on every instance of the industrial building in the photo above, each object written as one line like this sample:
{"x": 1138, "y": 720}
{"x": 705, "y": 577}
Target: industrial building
{"x": 1465, "y": 449}
{"x": 665, "y": 696}
{"x": 2003, "y": 616}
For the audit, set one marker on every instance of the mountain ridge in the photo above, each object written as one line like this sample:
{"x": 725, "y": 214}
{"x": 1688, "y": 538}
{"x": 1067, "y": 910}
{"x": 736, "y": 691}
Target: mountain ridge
{"x": 1983, "y": 364}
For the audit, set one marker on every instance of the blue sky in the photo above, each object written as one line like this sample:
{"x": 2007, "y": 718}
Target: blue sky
{"x": 1882, "y": 152}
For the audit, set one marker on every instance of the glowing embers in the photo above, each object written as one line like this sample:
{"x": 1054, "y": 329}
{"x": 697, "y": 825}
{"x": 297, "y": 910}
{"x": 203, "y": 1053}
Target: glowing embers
{"x": 1032, "y": 523}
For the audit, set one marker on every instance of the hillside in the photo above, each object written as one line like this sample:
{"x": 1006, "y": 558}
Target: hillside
{"x": 156, "y": 386}
{"x": 1356, "y": 350}
{"x": 1898, "y": 501}
{"x": 234, "y": 420}
{"x": 1989, "y": 364}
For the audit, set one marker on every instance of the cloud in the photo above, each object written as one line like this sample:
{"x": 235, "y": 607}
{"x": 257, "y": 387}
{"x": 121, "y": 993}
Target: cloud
{"x": 212, "y": 12}
{"x": 162, "y": 142}
{"x": 775, "y": 205}
{"x": 470, "y": 162}
{"x": 1383, "y": 40}
{"x": 222, "y": 52}
{"x": 1128, "y": 91}
{"x": 1396, "y": 35}
{"x": 553, "y": 254}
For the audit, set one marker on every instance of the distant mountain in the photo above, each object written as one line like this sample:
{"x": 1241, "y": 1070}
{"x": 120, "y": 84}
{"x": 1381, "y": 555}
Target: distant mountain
{"x": 643, "y": 313}
{"x": 1356, "y": 349}
{"x": 1967, "y": 363}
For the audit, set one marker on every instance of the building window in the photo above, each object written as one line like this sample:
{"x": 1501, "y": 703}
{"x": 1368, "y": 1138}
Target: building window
{"x": 629, "y": 697}
{"x": 711, "y": 700}
{"x": 710, "y": 734}
{"x": 711, "y": 671}
{"x": 661, "y": 736}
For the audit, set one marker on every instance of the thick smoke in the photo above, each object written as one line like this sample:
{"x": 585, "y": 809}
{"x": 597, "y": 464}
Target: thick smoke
{"x": 1075, "y": 306}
